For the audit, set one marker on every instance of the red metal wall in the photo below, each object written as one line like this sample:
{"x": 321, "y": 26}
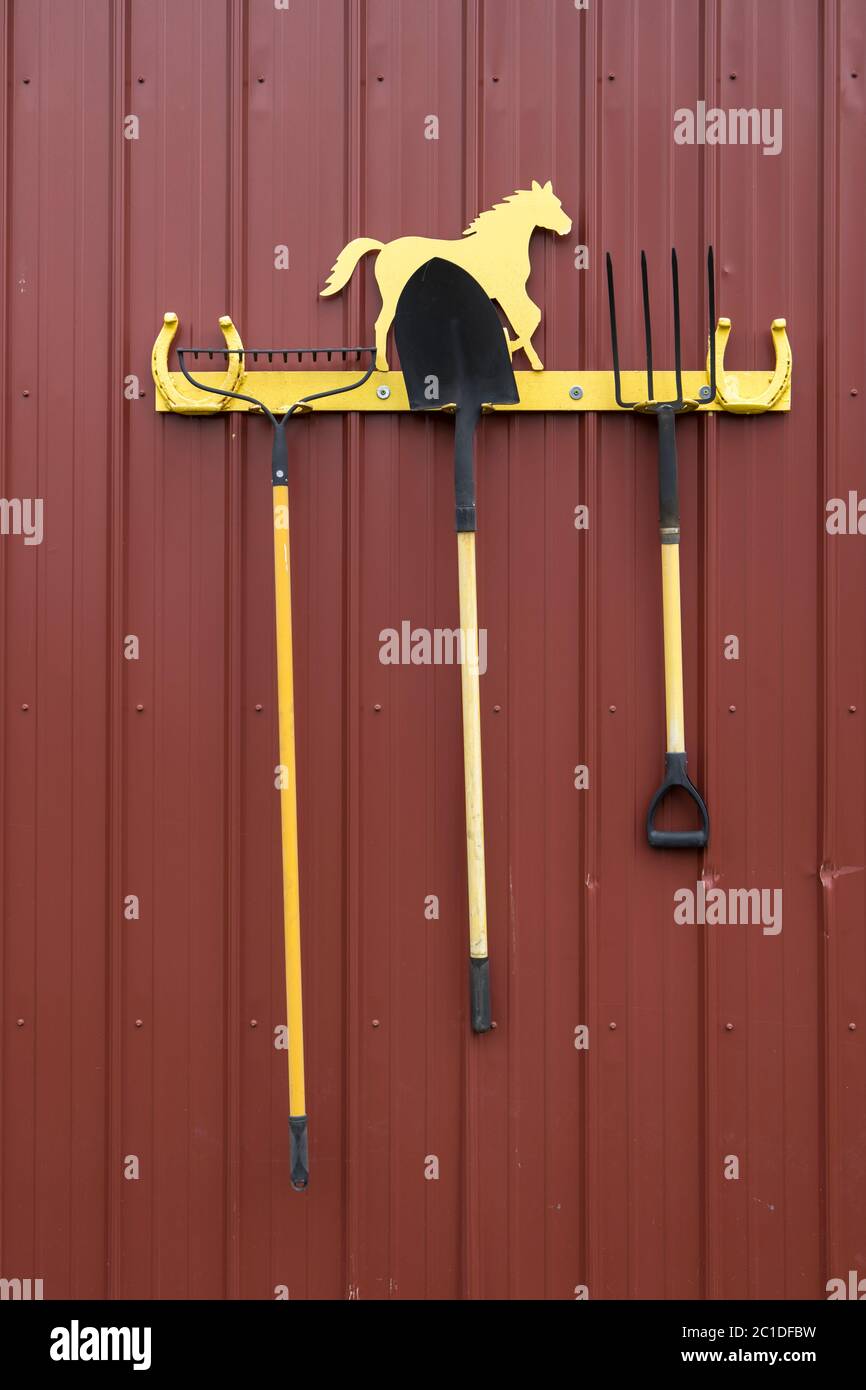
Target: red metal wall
{"x": 154, "y": 777}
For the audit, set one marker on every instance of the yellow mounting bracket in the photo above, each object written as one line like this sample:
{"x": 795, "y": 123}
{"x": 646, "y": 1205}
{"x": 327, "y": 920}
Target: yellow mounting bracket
{"x": 740, "y": 393}
{"x": 173, "y": 387}
{"x": 777, "y": 393}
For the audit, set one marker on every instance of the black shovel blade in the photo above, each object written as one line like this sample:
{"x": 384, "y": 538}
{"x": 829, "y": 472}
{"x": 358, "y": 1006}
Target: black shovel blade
{"x": 451, "y": 342}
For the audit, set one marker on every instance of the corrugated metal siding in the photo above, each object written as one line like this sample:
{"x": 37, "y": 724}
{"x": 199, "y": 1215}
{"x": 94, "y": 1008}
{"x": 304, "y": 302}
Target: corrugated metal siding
{"x": 155, "y": 1038}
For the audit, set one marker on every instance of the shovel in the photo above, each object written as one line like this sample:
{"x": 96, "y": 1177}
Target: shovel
{"x": 453, "y": 351}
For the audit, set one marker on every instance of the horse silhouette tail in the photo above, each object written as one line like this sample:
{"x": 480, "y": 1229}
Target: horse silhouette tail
{"x": 346, "y": 262}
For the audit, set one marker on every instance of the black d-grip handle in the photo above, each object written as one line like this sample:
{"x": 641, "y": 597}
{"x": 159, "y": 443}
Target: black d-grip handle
{"x": 676, "y": 776}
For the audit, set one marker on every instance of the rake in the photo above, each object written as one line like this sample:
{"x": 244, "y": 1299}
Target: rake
{"x": 298, "y": 1146}
{"x": 676, "y": 774}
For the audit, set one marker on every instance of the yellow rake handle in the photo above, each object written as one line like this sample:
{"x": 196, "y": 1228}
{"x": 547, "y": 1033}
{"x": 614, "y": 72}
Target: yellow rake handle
{"x": 300, "y": 1174}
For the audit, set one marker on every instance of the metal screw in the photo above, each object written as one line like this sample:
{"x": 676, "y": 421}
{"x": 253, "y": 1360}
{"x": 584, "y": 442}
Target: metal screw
{"x": 612, "y": 709}
{"x": 254, "y": 1023}
{"x": 576, "y": 393}
{"x": 729, "y": 1027}
{"x": 20, "y": 1022}
{"x": 732, "y": 709}
{"x": 280, "y": 473}
{"x": 375, "y": 1023}
{"x": 497, "y": 709}
{"x": 705, "y": 393}
{"x": 141, "y": 79}
{"x": 612, "y": 1027}
{"x": 383, "y": 392}
{"x": 139, "y": 708}
{"x": 852, "y": 1027}
{"x": 25, "y": 708}
{"x": 138, "y": 1023}
{"x": 852, "y": 709}
{"x": 258, "y": 709}
{"x": 377, "y": 709}
{"x": 854, "y": 391}
{"x": 25, "y": 394}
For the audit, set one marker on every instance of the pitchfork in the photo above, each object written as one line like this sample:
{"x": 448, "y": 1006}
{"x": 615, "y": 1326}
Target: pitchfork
{"x": 666, "y": 412}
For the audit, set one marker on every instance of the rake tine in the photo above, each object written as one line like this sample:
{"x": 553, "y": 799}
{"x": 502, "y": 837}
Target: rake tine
{"x": 678, "y": 354}
{"x": 648, "y": 328}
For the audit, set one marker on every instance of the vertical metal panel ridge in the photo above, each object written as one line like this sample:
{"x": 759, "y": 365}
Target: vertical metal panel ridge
{"x": 236, "y": 20}
{"x": 6, "y": 139}
{"x": 707, "y": 983}
{"x": 593, "y": 349}
{"x": 115, "y": 795}
{"x": 828, "y": 631}
{"x": 353, "y": 438}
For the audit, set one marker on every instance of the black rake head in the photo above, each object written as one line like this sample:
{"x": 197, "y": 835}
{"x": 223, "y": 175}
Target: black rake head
{"x": 651, "y": 405}
{"x": 344, "y": 354}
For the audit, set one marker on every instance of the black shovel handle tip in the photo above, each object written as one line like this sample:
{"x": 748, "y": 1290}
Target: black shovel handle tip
{"x": 479, "y": 994}
{"x": 299, "y": 1159}
{"x": 677, "y": 776}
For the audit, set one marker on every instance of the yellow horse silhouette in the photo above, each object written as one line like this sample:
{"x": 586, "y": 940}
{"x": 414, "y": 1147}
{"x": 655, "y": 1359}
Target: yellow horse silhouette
{"x": 495, "y": 249}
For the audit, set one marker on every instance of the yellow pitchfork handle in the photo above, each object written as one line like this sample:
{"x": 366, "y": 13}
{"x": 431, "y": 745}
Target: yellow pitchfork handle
{"x": 300, "y": 1171}
{"x": 676, "y": 768}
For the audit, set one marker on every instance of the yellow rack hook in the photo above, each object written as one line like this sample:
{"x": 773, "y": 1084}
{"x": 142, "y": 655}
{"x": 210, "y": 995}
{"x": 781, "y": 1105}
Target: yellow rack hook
{"x": 176, "y": 399}
{"x": 728, "y": 383}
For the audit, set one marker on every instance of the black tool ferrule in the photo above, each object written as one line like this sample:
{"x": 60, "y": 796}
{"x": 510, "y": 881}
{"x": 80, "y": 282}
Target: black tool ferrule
{"x": 464, "y": 467}
{"x": 669, "y": 497}
{"x": 280, "y": 456}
